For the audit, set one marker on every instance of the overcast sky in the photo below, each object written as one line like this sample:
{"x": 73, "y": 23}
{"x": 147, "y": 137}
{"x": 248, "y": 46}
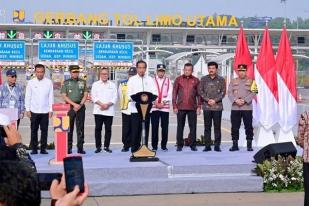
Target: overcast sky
{"x": 142, "y": 8}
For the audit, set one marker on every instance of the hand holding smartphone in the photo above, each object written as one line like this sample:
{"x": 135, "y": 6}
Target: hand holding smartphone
{"x": 74, "y": 173}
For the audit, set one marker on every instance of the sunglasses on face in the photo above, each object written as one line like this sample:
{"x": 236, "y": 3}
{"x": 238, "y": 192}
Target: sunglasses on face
{"x": 14, "y": 76}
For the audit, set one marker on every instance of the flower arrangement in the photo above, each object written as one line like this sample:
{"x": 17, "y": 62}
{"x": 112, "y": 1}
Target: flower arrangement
{"x": 282, "y": 174}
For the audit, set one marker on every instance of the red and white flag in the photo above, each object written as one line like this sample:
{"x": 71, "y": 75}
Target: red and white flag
{"x": 242, "y": 54}
{"x": 266, "y": 80}
{"x": 286, "y": 76}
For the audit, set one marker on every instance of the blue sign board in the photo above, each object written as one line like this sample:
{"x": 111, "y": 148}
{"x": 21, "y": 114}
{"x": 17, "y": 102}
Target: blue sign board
{"x": 12, "y": 50}
{"x": 112, "y": 51}
{"x": 58, "y": 50}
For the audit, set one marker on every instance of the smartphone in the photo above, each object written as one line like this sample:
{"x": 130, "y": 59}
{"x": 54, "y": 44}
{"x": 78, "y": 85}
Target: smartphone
{"x": 74, "y": 173}
{"x": 45, "y": 179}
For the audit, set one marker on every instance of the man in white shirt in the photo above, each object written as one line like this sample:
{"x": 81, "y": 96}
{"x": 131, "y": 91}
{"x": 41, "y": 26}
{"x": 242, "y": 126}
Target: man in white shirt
{"x": 125, "y": 111}
{"x": 104, "y": 96}
{"x": 161, "y": 108}
{"x": 139, "y": 83}
{"x": 38, "y": 102}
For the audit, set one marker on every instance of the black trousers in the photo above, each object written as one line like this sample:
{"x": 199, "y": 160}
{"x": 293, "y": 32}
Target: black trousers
{"x": 246, "y": 116}
{"x": 209, "y": 117}
{"x": 99, "y": 121}
{"x": 181, "y": 121}
{"x": 79, "y": 118}
{"x": 136, "y": 131}
{"x": 306, "y": 182}
{"x": 39, "y": 120}
{"x": 155, "y": 120}
{"x": 126, "y": 131}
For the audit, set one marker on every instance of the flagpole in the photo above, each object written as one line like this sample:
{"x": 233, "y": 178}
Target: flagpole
{"x": 285, "y": 12}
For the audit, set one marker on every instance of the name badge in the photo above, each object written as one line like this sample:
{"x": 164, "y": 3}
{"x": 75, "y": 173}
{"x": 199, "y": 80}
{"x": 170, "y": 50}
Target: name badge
{"x": 12, "y": 103}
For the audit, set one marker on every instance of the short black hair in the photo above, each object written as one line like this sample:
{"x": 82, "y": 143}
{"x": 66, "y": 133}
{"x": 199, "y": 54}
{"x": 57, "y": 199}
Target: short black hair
{"x": 141, "y": 62}
{"x": 188, "y": 65}
{"x": 213, "y": 64}
{"x": 39, "y": 66}
{"x": 19, "y": 184}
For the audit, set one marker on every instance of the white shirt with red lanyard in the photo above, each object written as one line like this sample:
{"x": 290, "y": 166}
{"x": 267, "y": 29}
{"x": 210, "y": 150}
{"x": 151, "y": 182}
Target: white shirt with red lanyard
{"x": 164, "y": 88}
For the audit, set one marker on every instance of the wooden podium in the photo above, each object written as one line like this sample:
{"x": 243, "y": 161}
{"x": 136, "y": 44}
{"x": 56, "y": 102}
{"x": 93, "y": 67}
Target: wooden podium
{"x": 61, "y": 124}
{"x": 143, "y": 101}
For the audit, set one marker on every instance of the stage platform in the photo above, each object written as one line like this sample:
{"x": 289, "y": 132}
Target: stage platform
{"x": 176, "y": 172}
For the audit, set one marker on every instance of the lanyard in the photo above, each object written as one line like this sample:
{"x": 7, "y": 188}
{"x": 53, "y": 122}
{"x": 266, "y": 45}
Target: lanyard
{"x": 12, "y": 93}
{"x": 160, "y": 91}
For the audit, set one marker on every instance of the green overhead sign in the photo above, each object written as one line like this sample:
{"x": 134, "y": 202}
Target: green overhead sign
{"x": 48, "y": 34}
{"x": 11, "y": 34}
{"x": 87, "y": 34}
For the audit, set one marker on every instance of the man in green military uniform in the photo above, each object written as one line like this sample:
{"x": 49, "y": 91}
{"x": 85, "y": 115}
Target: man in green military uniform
{"x": 74, "y": 92}
{"x": 240, "y": 94}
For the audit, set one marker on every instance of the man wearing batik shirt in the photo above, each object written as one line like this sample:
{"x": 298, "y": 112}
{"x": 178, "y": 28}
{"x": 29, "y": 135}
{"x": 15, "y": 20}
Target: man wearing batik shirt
{"x": 186, "y": 102}
{"x": 212, "y": 90}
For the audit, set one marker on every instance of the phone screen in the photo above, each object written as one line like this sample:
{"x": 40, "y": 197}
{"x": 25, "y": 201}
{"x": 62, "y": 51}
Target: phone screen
{"x": 45, "y": 179}
{"x": 74, "y": 173}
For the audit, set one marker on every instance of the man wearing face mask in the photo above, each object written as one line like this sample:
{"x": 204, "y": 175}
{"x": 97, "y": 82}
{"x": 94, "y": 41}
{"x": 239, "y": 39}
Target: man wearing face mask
{"x": 12, "y": 94}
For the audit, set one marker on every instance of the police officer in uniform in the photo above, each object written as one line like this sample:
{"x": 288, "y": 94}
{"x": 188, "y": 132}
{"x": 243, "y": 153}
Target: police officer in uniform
{"x": 241, "y": 95}
{"x": 74, "y": 92}
{"x": 125, "y": 110}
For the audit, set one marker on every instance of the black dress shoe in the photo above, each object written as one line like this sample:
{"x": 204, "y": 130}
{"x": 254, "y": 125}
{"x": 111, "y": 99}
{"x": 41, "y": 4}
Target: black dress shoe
{"x": 106, "y": 149}
{"x": 249, "y": 149}
{"x": 34, "y": 152}
{"x": 154, "y": 149}
{"x": 165, "y": 149}
{"x": 81, "y": 151}
{"x": 44, "y": 151}
{"x": 70, "y": 151}
{"x": 179, "y": 149}
{"x": 98, "y": 150}
{"x": 207, "y": 149}
{"x": 193, "y": 148}
{"x": 125, "y": 150}
{"x": 217, "y": 149}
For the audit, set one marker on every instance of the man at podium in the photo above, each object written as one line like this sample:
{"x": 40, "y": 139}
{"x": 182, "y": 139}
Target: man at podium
{"x": 139, "y": 83}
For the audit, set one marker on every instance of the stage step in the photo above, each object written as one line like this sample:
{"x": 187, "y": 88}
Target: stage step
{"x": 178, "y": 184}
{"x": 176, "y": 172}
